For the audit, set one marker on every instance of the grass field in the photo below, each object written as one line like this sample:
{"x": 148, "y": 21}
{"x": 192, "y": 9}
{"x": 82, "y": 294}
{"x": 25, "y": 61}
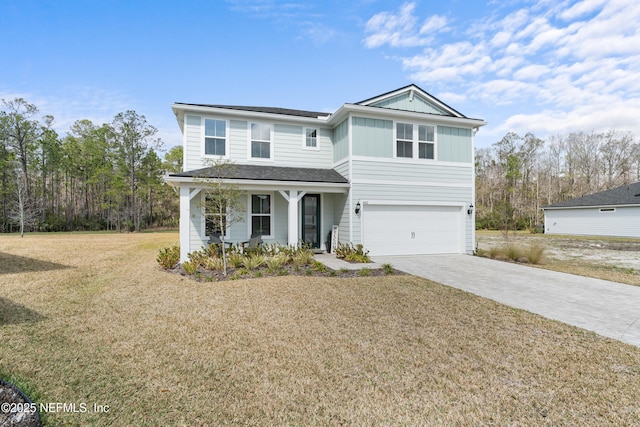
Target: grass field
{"x": 90, "y": 318}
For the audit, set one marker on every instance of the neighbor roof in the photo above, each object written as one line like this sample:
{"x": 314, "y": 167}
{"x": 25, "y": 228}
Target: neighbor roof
{"x": 625, "y": 195}
{"x": 267, "y": 173}
{"x": 270, "y": 110}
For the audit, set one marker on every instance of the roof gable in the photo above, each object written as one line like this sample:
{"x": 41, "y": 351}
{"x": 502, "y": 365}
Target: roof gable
{"x": 625, "y": 195}
{"x": 411, "y": 98}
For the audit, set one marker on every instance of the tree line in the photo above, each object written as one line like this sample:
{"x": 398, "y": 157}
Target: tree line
{"x": 97, "y": 177}
{"x": 518, "y": 175}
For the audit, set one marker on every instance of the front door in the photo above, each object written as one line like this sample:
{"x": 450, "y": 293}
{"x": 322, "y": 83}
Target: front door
{"x": 311, "y": 220}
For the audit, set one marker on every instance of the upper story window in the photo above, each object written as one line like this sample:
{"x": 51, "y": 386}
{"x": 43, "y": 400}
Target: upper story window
{"x": 426, "y": 142}
{"x": 215, "y": 137}
{"x": 311, "y": 138}
{"x": 404, "y": 140}
{"x": 406, "y": 136}
{"x": 260, "y": 141}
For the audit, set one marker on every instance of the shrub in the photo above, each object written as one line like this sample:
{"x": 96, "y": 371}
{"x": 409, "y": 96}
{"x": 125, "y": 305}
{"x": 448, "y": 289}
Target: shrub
{"x": 387, "y": 268}
{"x": 535, "y": 254}
{"x": 512, "y": 252}
{"x": 213, "y": 264}
{"x": 198, "y": 257}
{"x": 365, "y": 272}
{"x": 189, "y": 267}
{"x": 351, "y": 253}
{"x": 275, "y": 262}
{"x": 318, "y": 266}
{"x": 252, "y": 262}
{"x": 302, "y": 256}
{"x": 169, "y": 257}
{"x": 235, "y": 259}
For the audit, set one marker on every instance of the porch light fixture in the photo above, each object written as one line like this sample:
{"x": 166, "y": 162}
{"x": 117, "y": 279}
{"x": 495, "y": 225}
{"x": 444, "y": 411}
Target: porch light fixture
{"x": 358, "y": 206}
{"x": 470, "y": 210}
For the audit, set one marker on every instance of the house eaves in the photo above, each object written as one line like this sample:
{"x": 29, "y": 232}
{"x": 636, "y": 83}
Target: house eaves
{"x": 238, "y": 172}
{"x": 257, "y": 113}
{"x": 625, "y": 195}
{"x": 387, "y": 113}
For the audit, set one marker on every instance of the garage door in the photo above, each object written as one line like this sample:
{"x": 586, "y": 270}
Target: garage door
{"x": 412, "y": 230}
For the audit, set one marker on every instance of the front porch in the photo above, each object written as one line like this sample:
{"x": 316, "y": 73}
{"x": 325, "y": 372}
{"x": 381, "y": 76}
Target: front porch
{"x": 282, "y": 212}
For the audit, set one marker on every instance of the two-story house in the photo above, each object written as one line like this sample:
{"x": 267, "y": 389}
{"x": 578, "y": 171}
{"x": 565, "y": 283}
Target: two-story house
{"x": 394, "y": 172}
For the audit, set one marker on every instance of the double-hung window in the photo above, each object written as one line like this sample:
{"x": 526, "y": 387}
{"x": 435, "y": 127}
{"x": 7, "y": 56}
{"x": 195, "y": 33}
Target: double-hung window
{"x": 260, "y": 214}
{"x": 311, "y": 138}
{"x": 404, "y": 140}
{"x": 215, "y": 137}
{"x": 260, "y": 141}
{"x": 426, "y": 142}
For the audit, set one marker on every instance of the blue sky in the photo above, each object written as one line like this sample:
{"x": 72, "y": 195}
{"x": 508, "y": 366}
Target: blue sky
{"x": 548, "y": 66}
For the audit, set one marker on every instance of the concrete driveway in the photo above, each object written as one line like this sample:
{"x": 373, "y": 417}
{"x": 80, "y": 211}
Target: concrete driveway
{"x": 607, "y": 308}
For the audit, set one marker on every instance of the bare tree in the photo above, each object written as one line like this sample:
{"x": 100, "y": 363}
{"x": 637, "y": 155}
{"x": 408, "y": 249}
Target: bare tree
{"x": 25, "y": 213}
{"x": 221, "y": 204}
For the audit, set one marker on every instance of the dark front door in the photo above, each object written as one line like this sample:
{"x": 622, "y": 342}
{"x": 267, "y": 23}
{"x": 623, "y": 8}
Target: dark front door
{"x": 311, "y": 220}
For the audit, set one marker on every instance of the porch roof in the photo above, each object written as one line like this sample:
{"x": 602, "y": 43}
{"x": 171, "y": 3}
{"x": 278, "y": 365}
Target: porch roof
{"x": 266, "y": 173}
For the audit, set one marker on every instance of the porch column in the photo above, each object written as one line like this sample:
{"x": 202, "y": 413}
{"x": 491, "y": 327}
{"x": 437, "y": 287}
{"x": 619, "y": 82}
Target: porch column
{"x": 293, "y": 198}
{"x": 185, "y": 214}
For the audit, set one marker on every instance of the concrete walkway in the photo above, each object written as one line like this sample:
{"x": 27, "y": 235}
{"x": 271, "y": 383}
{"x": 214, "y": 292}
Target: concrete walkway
{"x": 608, "y": 308}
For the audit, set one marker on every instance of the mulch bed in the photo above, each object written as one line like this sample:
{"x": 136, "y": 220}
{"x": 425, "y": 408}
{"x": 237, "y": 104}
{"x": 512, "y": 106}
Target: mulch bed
{"x": 203, "y": 275}
{"x": 16, "y": 409}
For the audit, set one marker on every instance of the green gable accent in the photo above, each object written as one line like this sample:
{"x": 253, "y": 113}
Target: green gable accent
{"x": 417, "y": 104}
{"x": 372, "y": 137}
{"x": 454, "y": 144}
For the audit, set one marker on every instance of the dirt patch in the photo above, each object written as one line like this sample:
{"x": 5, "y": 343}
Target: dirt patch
{"x": 596, "y": 251}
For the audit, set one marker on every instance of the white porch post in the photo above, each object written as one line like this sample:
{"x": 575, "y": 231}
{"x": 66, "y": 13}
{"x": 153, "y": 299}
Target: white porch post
{"x": 185, "y": 213}
{"x": 293, "y": 198}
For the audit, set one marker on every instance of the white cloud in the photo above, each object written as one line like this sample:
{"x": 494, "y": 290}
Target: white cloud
{"x": 400, "y": 29}
{"x": 559, "y": 65}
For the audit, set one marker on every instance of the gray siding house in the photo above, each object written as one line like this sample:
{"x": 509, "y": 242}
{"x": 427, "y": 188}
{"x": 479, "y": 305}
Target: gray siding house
{"x": 394, "y": 173}
{"x": 614, "y": 212}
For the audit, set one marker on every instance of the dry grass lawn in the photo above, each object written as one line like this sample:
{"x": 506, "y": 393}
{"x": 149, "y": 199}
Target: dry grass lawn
{"x": 89, "y": 318}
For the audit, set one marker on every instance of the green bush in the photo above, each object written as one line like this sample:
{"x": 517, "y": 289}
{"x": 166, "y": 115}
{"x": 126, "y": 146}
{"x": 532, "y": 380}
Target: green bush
{"x": 387, "y": 268}
{"x": 189, "y": 267}
{"x": 169, "y": 257}
{"x": 275, "y": 262}
{"x": 253, "y": 262}
{"x": 365, "y": 272}
{"x": 214, "y": 264}
{"x": 351, "y": 253}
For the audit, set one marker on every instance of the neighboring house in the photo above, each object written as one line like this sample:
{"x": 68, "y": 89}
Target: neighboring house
{"x": 394, "y": 172}
{"x": 614, "y": 212}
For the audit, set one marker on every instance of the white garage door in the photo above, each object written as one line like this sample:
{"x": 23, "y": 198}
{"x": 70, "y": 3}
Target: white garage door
{"x": 412, "y": 230}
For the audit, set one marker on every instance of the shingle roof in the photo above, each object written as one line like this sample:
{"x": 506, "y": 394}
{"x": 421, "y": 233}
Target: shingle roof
{"x": 270, "y": 110}
{"x": 268, "y": 173}
{"x": 625, "y": 195}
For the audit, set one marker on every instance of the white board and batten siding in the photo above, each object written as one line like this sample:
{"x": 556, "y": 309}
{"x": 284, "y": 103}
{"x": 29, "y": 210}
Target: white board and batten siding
{"x": 622, "y": 221}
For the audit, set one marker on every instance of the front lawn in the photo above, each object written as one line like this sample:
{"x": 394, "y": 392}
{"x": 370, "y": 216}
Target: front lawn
{"x": 92, "y": 319}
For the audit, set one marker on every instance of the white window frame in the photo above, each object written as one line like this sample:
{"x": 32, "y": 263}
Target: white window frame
{"x": 249, "y": 142}
{"x": 227, "y": 234}
{"x": 204, "y": 136}
{"x": 415, "y": 141}
{"x": 426, "y": 142}
{"x": 304, "y": 138}
{"x": 250, "y": 213}
{"x": 396, "y": 140}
